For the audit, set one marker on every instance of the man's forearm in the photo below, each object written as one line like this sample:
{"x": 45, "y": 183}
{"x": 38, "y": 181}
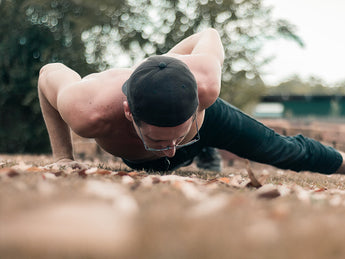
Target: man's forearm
{"x": 59, "y": 132}
{"x": 186, "y": 46}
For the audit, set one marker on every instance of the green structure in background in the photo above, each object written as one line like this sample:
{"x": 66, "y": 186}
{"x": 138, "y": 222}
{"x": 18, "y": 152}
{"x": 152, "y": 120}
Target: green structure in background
{"x": 297, "y": 106}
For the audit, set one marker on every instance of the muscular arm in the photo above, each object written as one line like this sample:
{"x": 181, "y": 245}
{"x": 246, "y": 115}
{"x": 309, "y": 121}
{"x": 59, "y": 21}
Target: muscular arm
{"x": 206, "y": 42}
{"x": 53, "y": 78}
{"x": 204, "y": 54}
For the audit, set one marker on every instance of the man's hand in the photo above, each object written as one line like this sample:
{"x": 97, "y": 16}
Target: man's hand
{"x": 66, "y": 164}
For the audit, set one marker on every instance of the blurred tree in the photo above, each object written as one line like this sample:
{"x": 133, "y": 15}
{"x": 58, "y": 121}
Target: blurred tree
{"x": 34, "y": 33}
{"x": 146, "y": 27}
{"x": 340, "y": 88}
{"x": 297, "y": 86}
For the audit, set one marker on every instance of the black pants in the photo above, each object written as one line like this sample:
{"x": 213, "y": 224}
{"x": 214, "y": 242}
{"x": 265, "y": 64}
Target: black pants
{"x": 226, "y": 127}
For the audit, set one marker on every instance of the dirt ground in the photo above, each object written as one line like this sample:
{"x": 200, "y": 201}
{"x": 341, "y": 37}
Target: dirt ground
{"x": 110, "y": 211}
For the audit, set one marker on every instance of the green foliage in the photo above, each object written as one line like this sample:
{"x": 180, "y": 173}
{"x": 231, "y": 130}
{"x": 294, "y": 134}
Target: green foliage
{"x": 29, "y": 39}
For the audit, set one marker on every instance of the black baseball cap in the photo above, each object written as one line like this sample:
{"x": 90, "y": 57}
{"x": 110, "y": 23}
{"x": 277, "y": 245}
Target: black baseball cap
{"x": 162, "y": 91}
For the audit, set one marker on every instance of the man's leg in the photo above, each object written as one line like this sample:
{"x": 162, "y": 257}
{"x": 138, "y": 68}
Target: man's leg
{"x": 209, "y": 159}
{"x": 226, "y": 127}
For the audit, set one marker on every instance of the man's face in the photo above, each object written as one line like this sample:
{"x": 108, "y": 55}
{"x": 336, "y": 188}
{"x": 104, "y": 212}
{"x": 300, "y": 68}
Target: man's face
{"x": 154, "y": 137}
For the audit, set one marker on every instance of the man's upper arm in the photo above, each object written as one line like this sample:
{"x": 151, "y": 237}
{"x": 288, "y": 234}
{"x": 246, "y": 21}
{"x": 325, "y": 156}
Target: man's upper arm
{"x": 207, "y": 72}
{"x": 75, "y": 104}
{"x": 206, "y": 42}
{"x": 210, "y": 44}
{"x": 209, "y": 82}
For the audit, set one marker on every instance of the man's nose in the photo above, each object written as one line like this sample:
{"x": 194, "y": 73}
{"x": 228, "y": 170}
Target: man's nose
{"x": 170, "y": 152}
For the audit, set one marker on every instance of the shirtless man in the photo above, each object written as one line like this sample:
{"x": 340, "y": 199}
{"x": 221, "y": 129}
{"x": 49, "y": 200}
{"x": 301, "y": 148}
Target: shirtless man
{"x": 161, "y": 113}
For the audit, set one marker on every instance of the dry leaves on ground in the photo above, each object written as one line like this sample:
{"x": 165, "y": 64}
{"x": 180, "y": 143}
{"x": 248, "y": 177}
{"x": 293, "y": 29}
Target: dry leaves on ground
{"x": 109, "y": 204}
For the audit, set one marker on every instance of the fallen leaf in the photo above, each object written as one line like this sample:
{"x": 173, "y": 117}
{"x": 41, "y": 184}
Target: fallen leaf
{"x": 10, "y": 172}
{"x": 269, "y": 194}
{"x": 322, "y": 189}
{"x": 211, "y": 181}
{"x": 36, "y": 169}
{"x": 57, "y": 174}
{"x": 103, "y": 172}
{"x": 133, "y": 174}
{"x": 82, "y": 173}
{"x": 155, "y": 180}
{"x": 224, "y": 180}
{"x": 253, "y": 181}
{"x": 268, "y": 191}
{"x": 121, "y": 173}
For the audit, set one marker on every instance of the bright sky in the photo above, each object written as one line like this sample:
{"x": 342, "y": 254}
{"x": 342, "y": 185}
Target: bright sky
{"x": 321, "y": 25}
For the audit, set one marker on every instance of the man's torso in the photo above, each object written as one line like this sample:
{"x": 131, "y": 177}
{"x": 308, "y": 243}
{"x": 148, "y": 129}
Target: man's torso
{"x": 115, "y": 134}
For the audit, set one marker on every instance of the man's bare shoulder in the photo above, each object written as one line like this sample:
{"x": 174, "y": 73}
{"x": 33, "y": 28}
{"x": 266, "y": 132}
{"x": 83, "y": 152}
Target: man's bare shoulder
{"x": 93, "y": 105}
{"x": 99, "y": 86}
{"x": 106, "y": 86}
{"x": 110, "y": 74}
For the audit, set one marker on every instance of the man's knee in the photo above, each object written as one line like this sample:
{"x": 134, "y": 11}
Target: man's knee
{"x": 209, "y": 159}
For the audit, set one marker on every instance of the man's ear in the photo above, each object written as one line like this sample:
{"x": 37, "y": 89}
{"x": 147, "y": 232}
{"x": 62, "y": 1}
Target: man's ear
{"x": 127, "y": 111}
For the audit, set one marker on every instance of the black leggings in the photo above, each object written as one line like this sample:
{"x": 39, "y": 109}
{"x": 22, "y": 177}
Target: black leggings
{"x": 226, "y": 127}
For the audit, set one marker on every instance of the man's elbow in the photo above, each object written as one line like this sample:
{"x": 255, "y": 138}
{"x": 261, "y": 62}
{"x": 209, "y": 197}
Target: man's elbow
{"x": 45, "y": 71}
{"x": 88, "y": 126}
{"x": 214, "y": 90}
{"x": 42, "y": 79}
{"x": 208, "y": 93}
{"x": 51, "y": 67}
{"x": 218, "y": 45}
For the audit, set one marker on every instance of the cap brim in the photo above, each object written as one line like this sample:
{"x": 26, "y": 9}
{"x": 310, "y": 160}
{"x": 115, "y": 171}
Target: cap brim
{"x": 125, "y": 88}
